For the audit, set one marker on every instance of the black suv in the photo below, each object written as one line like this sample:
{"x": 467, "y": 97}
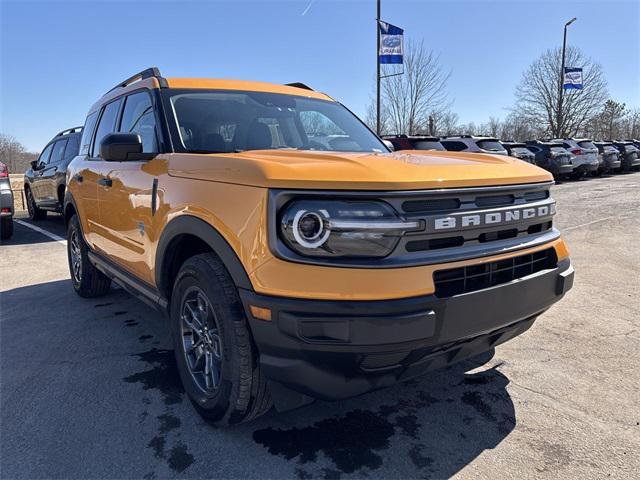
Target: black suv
{"x": 44, "y": 182}
{"x": 552, "y": 157}
{"x": 414, "y": 142}
{"x": 629, "y": 155}
{"x": 608, "y": 157}
{"x": 520, "y": 151}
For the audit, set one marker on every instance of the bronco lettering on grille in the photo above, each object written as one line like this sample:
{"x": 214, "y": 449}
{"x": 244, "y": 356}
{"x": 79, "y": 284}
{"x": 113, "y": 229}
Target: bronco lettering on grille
{"x": 498, "y": 217}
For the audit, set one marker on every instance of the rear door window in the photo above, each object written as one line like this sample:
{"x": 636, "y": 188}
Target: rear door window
{"x": 57, "y": 154}
{"x": 106, "y": 125}
{"x": 72, "y": 148}
{"x": 520, "y": 151}
{"x": 138, "y": 117}
{"x": 558, "y": 150}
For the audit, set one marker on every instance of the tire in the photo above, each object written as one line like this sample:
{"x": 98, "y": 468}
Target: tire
{"x": 234, "y": 389}
{"x": 6, "y": 228}
{"x": 35, "y": 213}
{"x": 87, "y": 280}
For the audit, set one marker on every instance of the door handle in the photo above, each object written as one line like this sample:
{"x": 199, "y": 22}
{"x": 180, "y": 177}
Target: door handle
{"x": 105, "y": 182}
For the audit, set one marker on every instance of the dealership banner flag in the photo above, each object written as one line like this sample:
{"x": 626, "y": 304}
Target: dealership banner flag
{"x": 391, "y": 46}
{"x": 572, "y": 78}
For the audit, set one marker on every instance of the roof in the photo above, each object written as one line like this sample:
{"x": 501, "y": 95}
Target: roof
{"x": 151, "y": 78}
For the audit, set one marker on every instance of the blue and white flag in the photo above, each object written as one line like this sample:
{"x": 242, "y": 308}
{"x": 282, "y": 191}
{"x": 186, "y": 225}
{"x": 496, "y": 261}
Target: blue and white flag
{"x": 572, "y": 78}
{"x": 391, "y": 46}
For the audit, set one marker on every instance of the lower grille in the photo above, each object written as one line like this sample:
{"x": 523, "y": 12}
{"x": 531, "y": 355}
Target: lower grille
{"x": 456, "y": 281}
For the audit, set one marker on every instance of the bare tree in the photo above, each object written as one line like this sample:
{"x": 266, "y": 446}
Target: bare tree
{"x": 14, "y": 155}
{"x": 631, "y": 124}
{"x": 538, "y": 95}
{"x": 408, "y": 99}
{"x": 445, "y": 122}
{"x": 609, "y": 122}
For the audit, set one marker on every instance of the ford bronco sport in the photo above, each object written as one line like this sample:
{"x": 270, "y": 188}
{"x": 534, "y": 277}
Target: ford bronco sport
{"x": 298, "y": 258}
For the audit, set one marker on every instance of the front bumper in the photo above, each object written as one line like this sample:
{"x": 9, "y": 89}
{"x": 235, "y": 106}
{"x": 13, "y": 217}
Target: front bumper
{"x": 330, "y": 350}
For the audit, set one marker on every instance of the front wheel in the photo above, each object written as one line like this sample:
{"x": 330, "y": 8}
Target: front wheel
{"x": 87, "y": 280}
{"x": 215, "y": 354}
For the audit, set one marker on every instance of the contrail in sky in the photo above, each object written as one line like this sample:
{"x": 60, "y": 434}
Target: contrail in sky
{"x": 308, "y": 7}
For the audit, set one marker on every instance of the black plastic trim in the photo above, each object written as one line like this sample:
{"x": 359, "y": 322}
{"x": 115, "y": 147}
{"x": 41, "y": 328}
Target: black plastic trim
{"x": 190, "y": 225}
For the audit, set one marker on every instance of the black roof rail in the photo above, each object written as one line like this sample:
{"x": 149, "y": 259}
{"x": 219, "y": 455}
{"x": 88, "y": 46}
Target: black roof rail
{"x": 153, "y": 72}
{"x": 70, "y": 130}
{"x": 299, "y": 85}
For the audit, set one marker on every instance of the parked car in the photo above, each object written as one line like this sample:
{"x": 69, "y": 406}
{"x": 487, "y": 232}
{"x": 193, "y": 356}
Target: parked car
{"x": 585, "y": 153}
{"x": 471, "y": 143}
{"x": 552, "y": 157}
{"x": 629, "y": 155}
{"x": 292, "y": 272}
{"x": 519, "y": 150}
{"x": 414, "y": 142}
{"x": 608, "y": 157}
{"x": 6, "y": 203}
{"x": 44, "y": 182}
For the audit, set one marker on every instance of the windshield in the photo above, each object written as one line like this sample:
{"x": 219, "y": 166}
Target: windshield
{"x": 491, "y": 145}
{"x": 428, "y": 145}
{"x": 232, "y": 121}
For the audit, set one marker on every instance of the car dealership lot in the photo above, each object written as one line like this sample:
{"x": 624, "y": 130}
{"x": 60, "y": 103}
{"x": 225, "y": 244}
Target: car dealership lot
{"x": 89, "y": 388}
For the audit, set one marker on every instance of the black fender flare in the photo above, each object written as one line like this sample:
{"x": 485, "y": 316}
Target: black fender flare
{"x": 188, "y": 224}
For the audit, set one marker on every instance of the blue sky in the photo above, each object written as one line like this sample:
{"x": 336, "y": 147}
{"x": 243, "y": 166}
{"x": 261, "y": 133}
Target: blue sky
{"x": 58, "y": 57}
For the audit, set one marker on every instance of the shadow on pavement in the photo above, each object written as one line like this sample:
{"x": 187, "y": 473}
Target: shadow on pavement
{"x": 432, "y": 426}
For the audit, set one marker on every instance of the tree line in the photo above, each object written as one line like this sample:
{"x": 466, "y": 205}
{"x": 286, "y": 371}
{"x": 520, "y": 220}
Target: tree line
{"x": 14, "y": 155}
{"x": 417, "y": 103}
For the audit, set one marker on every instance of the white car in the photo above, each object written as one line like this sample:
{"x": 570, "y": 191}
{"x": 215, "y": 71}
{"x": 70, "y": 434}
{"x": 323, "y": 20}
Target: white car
{"x": 471, "y": 143}
{"x": 585, "y": 152}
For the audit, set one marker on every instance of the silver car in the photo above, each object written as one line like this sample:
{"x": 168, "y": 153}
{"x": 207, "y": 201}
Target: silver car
{"x": 472, "y": 143}
{"x": 585, "y": 153}
{"x": 6, "y": 204}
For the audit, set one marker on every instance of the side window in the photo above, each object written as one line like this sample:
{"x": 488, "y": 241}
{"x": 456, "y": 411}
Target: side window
{"x": 106, "y": 125}
{"x": 44, "y": 156}
{"x": 58, "y": 151}
{"x": 87, "y": 133}
{"x": 454, "y": 146}
{"x": 72, "y": 148}
{"x": 138, "y": 117}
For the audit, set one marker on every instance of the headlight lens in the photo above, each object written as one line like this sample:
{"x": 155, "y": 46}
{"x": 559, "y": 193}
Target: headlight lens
{"x": 342, "y": 228}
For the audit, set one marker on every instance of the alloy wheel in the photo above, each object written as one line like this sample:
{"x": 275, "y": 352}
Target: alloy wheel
{"x": 76, "y": 257}
{"x": 201, "y": 340}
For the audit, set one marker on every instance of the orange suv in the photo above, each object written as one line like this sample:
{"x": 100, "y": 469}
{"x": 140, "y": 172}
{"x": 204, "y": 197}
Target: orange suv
{"x": 296, "y": 256}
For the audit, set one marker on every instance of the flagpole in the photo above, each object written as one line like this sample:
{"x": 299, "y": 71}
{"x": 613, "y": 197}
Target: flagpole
{"x": 378, "y": 70}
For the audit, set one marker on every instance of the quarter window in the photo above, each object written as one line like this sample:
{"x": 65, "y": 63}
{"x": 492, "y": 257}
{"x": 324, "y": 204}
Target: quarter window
{"x": 454, "y": 146}
{"x": 72, "y": 148}
{"x": 138, "y": 117}
{"x": 106, "y": 125}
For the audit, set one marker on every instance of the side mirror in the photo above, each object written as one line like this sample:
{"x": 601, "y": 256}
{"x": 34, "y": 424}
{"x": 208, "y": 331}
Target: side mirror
{"x": 121, "y": 147}
{"x": 389, "y": 145}
{"x": 34, "y": 164}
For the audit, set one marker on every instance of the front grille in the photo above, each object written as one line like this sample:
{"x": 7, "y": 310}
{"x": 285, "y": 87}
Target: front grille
{"x": 456, "y": 281}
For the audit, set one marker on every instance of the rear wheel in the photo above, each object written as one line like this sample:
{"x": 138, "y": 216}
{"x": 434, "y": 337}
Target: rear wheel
{"x": 88, "y": 281}
{"x": 6, "y": 228}
{"x": 215, "y": 353}
{"x": 35, "y": 213}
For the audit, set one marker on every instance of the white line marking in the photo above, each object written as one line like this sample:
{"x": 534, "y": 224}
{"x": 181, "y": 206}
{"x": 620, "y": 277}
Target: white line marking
{"x": 621, "y": 217}
{"x": 52, "y": 236}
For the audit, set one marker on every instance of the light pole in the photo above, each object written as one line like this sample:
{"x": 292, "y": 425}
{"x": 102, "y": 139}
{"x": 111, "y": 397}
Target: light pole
{"x": 378, "y": 70}
{"x": 559, "y": 118}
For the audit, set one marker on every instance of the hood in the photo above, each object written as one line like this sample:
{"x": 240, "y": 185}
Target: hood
{"x": 403, "y": 170}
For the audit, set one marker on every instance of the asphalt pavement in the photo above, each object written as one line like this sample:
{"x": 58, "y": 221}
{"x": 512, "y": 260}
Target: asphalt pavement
{"x": 89, "y": 388}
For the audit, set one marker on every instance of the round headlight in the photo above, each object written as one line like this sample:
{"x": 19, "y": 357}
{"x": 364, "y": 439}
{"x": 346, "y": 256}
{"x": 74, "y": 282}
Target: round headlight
{"x": 310, "y": 228}
{"x": 342, "y": 228}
